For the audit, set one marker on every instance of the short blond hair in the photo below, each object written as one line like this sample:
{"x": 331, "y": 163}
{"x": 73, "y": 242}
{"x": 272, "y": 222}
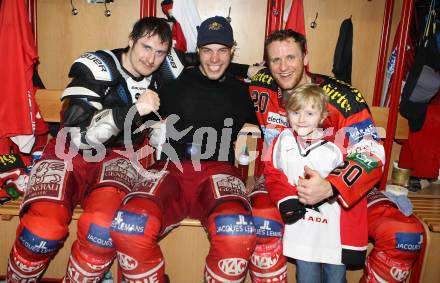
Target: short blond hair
{"x": 308, "y": 94}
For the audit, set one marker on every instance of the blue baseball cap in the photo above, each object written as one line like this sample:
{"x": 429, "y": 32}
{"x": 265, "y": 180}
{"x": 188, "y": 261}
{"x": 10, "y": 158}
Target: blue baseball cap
{"x": 215, "y": 30}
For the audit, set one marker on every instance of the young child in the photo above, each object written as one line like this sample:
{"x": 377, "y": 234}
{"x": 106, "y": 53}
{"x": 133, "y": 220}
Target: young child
{"x": 312, "y": 234}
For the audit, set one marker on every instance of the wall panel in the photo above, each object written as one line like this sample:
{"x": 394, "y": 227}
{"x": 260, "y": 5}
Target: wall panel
{"x": 367, "y": 24}
{"x": 62, "y": 36}
{"x": 248, "y": 20}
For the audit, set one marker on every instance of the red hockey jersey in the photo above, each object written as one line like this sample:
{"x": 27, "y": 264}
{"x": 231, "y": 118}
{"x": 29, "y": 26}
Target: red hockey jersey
{"x": 349, "y": 119}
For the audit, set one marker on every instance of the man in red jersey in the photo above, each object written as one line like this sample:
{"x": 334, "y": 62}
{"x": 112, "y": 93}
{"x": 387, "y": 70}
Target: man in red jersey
{"x": 397, "y": 238}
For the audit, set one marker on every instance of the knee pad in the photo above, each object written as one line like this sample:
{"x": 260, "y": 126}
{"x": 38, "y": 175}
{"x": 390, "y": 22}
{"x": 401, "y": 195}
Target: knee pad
{"x": 94, "y": 223}
{"x": 43, "y": 228}
{"x": 37, "y": 241}
{"x": 232, "y": 238}
{"x": 135, "y": 231}
{"x": 268, "y": 264}
{"x": 93, "y": 251}
{"x": 382, "y": 268}
{"x": 398, "y": 236}
{"x": 267, "y": 219}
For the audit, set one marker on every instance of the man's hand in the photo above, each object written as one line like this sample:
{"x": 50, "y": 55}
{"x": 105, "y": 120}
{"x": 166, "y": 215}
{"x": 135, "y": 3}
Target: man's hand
{"x": 313, "y": 188}
{"x": 147, "y": 102}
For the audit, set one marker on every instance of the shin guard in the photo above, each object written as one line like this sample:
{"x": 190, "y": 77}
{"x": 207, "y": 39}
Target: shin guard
{"x": 37, "y": 242}
{"x": 93, "y": 251}
{"x": 268, "y": 264}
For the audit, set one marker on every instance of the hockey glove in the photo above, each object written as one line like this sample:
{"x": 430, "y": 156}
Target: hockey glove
{"x": 291, "y": 210}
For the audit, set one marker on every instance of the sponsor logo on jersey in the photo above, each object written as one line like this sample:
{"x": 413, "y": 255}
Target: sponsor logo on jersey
{"x": 119, "y": 170}
{"x": 277, "y": 119}
{"x": 362, "y": 130}
{"x": 99, "y": 236}
{"x": 232, "y": 266}
{"x": 267, "y": 227}
{"x": 336, "y": 97}
{"x": 234, "y": 224}
{"x": 343, "y": 98}
{"x": 266, "y": 256}
{"x": 409, "y": 242}
{"x": 136, "y": 91}
{"x": 137, "y": 87}
{"x": 129, "y": 223}
{"x": 366, "y": 161}
{"x": 266, "y": 260}
{"x": 225, "y": 185}
{"x": 36, "y": 244}
{"x": 399, "y": 274}
{"x": 262, "y": 78}
{"x": 126, "y": 261}
{"x": 46, "y": 180}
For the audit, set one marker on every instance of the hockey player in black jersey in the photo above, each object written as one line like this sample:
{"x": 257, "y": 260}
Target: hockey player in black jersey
{"x": 105, "y": 85}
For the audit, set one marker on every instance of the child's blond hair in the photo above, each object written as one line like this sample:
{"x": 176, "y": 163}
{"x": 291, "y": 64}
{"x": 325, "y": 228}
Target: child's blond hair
{"x": 308, "y": 94}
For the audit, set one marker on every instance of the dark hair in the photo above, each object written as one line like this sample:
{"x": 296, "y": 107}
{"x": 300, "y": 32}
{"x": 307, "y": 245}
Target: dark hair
{"x": 285, "y": 34}
{"x": 149, "y": 26}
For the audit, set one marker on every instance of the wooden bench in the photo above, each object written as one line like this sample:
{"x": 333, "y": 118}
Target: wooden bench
{"x": 192, "y": 235}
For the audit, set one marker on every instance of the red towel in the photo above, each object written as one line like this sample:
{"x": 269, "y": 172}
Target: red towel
{"x": 421, "y": 152}
{"x": 18, "y": 56}
{"x": 295, "y": 21}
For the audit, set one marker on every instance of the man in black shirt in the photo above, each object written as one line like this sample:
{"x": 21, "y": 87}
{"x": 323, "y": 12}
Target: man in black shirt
{"x": 205, "y": 108}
